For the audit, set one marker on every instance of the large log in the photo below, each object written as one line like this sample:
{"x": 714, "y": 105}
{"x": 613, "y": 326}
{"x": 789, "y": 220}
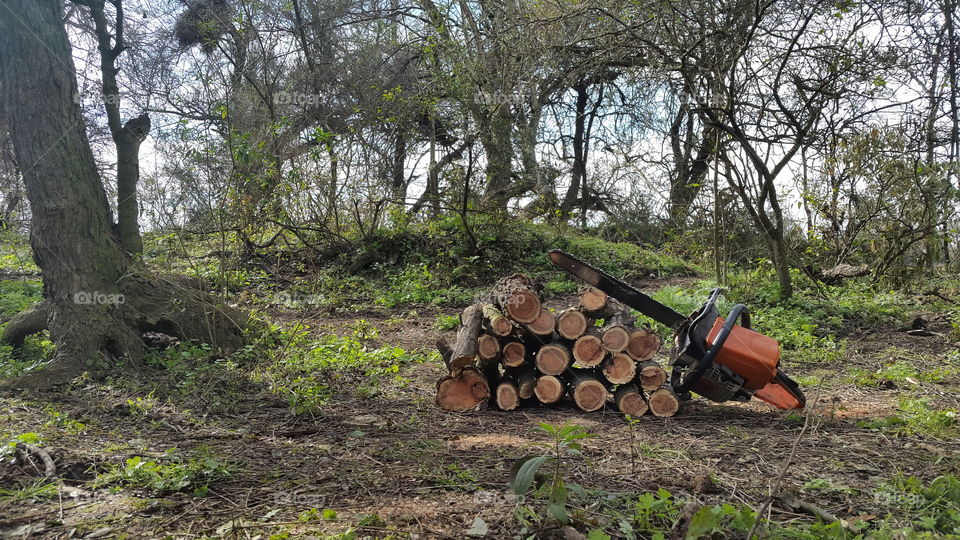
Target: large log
{"x": 507, "y": 396}
{"x": 589, "y": 394}
{"x": 663, "y": 402}
{"x": 619, "y": 368}
{"x": 465, "y": 388}
{"x": 593, "y": 300}
{"x": 495, "y": 322}
{"x": 518, "y": 298}
{"x": 588, "y": 350}
{"x": 549, "y": 389}
{"x": 629, "y": 400}
{"x": 553, "y": 358}
{"x": 513, "y": 354}
{"x": 644, "y": 344}
{"x": 572, "y": 323}
{"x": 465, "y": 349}
{"x": 652, "y": 375}
{"x": 543, "y": 325}
{"x": 617, "y": 326}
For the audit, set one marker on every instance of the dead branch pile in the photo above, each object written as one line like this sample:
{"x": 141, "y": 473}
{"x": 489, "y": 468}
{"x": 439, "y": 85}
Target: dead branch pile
{"x": 511, "y": 352}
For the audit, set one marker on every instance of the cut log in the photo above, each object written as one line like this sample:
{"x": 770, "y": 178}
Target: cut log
{"x": 618, "y": 323}
{"x": 593, "y": 299}
{"x": 629, "y": 400}
{"x": 518, "y": 298}
{"x": 495, "y": 322}
{"x": 644, "y": 344}
{"x": 572, "y": 323}
{"x": 619, "y": 368}
{"x": 465, "y": 350}
{"x": 652, "y": 375}
{"x": 549, "y": 389}
{"x": 463, "y": 390}
{"x": 588, "y": 350}
{"x": 553, "y": 359}
{"x": 513, "y": 354}
{"x": 589, "y": 394}
{"x": 543, "y": 325}
{"x": 507, "y": 396}
{"x": 488, "y": 347}
{"x": 526, "y": 381}
{"x": 663, "y": 402}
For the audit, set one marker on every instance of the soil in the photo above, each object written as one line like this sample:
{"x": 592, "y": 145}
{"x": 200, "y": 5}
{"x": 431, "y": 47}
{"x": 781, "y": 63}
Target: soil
{"x": 425, "y": 473}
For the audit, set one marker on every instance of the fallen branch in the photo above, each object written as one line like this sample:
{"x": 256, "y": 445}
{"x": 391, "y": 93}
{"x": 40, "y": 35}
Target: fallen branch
{"x": 49, "y": 468}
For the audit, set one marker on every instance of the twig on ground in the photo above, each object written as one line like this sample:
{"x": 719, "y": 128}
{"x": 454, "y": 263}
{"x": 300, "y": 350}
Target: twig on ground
{"x": 49, "y": 468}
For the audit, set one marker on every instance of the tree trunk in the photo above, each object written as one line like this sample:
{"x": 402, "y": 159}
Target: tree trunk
{"x": 498, "y": 147}
{"x": 465, "y": 349}
{"x": 663, "y": 402}
{"x": 644, "y": 344}
{"x": 652, "y": 375}
{"x": 543, "y": 325}
{"x": 518, "y": 297}
{"x": 549, "y": 389}
{"x": 553, "y": 359}
{"x": 507, "y": 395}
{"x": 619, "y": 368}
{"x": 588, "y": 349}
{"x": 572, "y": 323}
{"x": 593, "y": 301}
{"x": 589, "y": 394}
{"x": 97, "y": 306}
{"x": 513, "y": 354}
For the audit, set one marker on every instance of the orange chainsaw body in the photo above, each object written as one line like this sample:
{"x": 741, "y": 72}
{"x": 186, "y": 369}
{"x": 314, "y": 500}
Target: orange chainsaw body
{"x": 749, "y": 354}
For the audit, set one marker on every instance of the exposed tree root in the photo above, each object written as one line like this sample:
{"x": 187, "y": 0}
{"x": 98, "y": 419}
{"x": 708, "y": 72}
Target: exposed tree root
{"x": 98, "y": 334}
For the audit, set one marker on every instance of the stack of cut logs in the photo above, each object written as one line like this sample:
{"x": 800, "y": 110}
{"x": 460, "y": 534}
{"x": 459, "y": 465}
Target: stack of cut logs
{"x": 510, "y": 351}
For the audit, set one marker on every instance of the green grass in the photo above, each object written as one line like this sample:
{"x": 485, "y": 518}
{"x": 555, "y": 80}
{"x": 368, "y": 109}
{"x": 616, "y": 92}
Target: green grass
{"x": 916, "y": 416}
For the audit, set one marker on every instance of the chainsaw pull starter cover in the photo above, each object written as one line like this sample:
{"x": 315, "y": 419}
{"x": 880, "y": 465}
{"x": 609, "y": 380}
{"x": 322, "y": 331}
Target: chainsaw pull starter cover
{"x": 749, "y": 354}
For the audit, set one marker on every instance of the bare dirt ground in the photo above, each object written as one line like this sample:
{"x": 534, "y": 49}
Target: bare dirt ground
{"x": 393, "y": 465}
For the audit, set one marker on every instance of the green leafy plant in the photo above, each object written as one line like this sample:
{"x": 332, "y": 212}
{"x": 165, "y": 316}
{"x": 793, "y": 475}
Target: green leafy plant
{"x": 170, "y": 473}
{"x": 563, "y": 446}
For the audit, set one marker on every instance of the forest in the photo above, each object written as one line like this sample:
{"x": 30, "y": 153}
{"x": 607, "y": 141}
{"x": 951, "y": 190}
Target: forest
{"x": 322, "y": 269}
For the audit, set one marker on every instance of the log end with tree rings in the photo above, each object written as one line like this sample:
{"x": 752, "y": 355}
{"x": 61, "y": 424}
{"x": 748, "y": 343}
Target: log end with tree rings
{"x": 543, "y": 324}
{"x": 588, "y": 351}
{"x": 571, "y": 324}
{"x": 593, "y": 299}
{"x": 462, "y": 391}
{"x": 513, "y": 354}
{"x": 553, "y": 359}
{"x": 652, "y": 375}
{"x": 507, "y": 396}
{"x": 629, "y": 400}
{"x": 549, "y": 389}
{"x": 488, "y": 347}
{"x": 619, "y": 368}
{"x": 644, "y": 344}
{"x": 615, "y": 338}
{"x": 663, "y": 402}
{"x": 523, "y": 307}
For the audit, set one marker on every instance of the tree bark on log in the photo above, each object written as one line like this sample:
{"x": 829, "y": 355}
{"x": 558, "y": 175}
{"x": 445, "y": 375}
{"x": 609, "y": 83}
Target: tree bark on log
{"x": 644, "y": 344}
{"x": 549, "y": 389}
{"x": 465, "y": 349}
{"x": 619, "y": 368}
{"x": 518, "y": 297}
{"x": 553, "y": 358}
{"x": 572, "y": 323}
{"x": 663, "y": 402}
{"x": 629, "y": 400}
{"x": 652, "y": 375}
{"x": 588, "y": 350}
{"x": 495, "y": 322}
{"x": 589, "y": 394}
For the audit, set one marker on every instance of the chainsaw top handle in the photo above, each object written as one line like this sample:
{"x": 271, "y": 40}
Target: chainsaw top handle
{"x": 739, "y": 311}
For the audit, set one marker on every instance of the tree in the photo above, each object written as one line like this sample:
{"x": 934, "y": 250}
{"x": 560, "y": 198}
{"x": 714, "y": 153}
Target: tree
{"x": 97, "y": 302}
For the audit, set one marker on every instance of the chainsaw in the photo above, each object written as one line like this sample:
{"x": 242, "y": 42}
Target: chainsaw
{"x": 719, "y": 359}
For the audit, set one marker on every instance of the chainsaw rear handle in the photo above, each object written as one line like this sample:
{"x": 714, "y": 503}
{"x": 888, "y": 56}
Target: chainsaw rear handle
{"x": 739, "y": 311}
